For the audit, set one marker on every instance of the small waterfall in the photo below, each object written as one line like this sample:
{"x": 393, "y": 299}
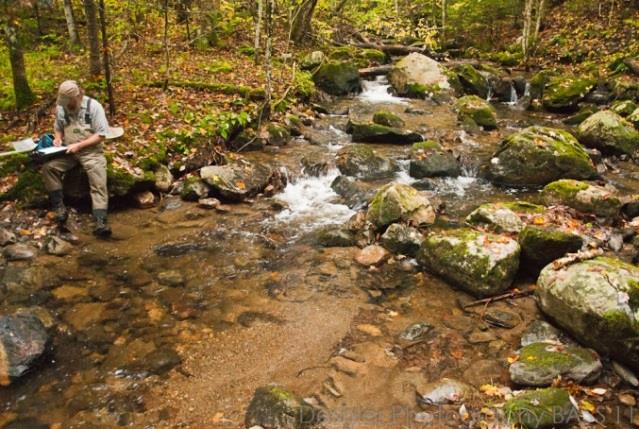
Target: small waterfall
{"x": 377, "y": 91}
{"x": 490, "y": 93}
{"x": 527, "y": 90}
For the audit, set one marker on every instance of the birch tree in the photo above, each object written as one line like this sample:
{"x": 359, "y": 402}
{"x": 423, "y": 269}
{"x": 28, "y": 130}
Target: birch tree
{"x": 74, "y": 40}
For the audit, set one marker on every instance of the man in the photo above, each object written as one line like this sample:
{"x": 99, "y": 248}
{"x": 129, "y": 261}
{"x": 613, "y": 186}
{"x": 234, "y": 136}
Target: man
{"x": 81, "y": 126}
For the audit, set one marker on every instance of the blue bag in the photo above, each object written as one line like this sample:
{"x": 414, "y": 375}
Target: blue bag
{"x": 45, "y": 141}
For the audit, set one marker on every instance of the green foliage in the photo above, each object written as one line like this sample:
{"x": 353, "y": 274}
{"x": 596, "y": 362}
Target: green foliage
{"x": 304, "y": 85}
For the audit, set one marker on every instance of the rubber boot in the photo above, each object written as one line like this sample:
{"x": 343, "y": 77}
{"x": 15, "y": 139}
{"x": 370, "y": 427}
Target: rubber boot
{"x": 101, "y": 230}
{"x": 56, "y": 199}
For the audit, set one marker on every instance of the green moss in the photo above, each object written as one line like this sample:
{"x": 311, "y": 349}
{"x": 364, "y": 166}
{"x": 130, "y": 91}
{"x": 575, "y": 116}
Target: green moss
{"x": 389, "y": 119}
{"x": 28, "y": 191}
{"x": 425, "y": 146}
{"x": 472, "y": 81}
{"x": 566, "y": 188}
{"x": 338, "y": 78}
{"x": 478, "y": 110}
{"x": 540, "y": 408}
{"x": 624, "y": 108}
{"x": 565, "y": 92}
{"x": 416, "y": 90}
{"x": 304, "y": 85}
{"x": 374, "y": 55}
{"x": 539, "y": 355}
{"x": 524, "y": 207}
{"x": 610, "y": 133}
{"x": 150, "y": 159}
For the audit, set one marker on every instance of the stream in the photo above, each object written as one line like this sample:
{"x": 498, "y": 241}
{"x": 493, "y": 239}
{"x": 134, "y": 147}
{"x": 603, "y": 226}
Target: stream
{"x": 176, "y": 321}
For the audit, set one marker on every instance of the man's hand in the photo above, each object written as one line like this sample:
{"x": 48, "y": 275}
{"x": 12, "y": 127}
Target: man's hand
{"x": 74, "y": 148}
{"x": 57, "y": 141}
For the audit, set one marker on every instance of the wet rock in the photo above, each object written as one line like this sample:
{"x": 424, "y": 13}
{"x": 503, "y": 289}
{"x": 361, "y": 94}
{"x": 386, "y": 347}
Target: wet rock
{"x": 6, "y": 237}
{"x": 542, "y": 408}
{"x": 595, "y": 301}
{"x": 540, "y": 332}
{"x": 416, "y": 331}
{"x": 388, "y": 119}
{"x": 583, "y": 196}
{"x": 144, "y": 200}
{"x": 312, "y": 60}
{"x": 633, "y": 118}
{"x": 539, "y": 155}
{"x": 402, "y": 239}
{"x": 161, "y": 360}
{"x": 369, "y": 132}
{"x": 433, "y": 163}
{"x": 631, "y": 207}
{"x": 19, "y": 252}
{"x": 338, "y": 78}
{"x": 478, "y": 110}
{"x": 248, "y": 140}
{"x": 485, "y": 371}
{"x": 315, "y": 166}
{"x": 274, "y": 407}
{"x": 480, "y": 337}
{"x": 363, "y": 162}
{"x": 563, "y": 93}
{"x": 131, "y": 356}
{"x": 542, "y": 245}
{"x": 396, "y": 202}
{"x": 335, "y": 236}
{"x": 371, "y": 255}
{"x": 501, "y": 318}
{"x": 444, "y": 391}
{"x": 194, "y": 189}
{"x": 626, "y": 375}
{"x": 472, "y": 81}
{"x": 484, "y": 264}
{"x": 84, "y": 315}
{"x": 502, "y": 217}
{"x": 23, "y": 340}
{"x": 208, "y": 203}
{"x": 354, "y": 192}
{"x": 179, "y": 248}
{"x": 417, "y": 75}
{"x": 610, "y": 133}
{"x": 58, "y": 247}
{"x": 624, "y": 108}
{"x": 27, "y": 423}
{"x": 277, "y": 135}
{"x": 171, "y": 278}
{"x": 584, "y": 113}
{"x": 539, "y": 364}
{"x": 163, "y": 178}
{"x": 236, "y": 181}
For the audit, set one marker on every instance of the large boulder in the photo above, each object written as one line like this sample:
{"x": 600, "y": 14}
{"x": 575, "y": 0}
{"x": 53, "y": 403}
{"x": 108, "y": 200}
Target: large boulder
{"x": 429, "y": 160}
{"x": 582, "y": 196}
{"x": 312, "y": 60}
{"x": 402, "y": 239}
{"x": 417, "y": 75}
{"x": 364, "y": 163}
{"x": 563, "y": 93}
{"x": 542, "y": 245}
{"x": 370, "y": 132}
{"x": 274, "y": 407}
{"x": 596, "y": 301}
{"x": 503, "y": 217}
{"x": 471, "y": 107}
{"x": 472, "y": 80}
{"x": 539, "y": 364}
{"x": 23, "y": 341}
{"x": 484, "y": 264}
{"x": 237, "y": 181}
{"x": 610, "y": 133}
{"x": 338, "y": 78}
{"x": 540, "y": 409}
{"x": 396, "y": 202}
{"x": 387, "y": 118}
{"x": 539, "y": 155}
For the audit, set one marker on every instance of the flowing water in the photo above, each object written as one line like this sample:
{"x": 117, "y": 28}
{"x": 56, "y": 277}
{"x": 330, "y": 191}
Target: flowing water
{"x": 175, "y": 322}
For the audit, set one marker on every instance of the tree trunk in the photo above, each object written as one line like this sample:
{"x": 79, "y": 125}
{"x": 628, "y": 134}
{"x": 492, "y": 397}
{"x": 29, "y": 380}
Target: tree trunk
{"x": 301, "y": 25}
{"x": 258, "y": 29}
{"x": 71, "y": 27}
{"x": 525, "y": 39}
{"x": 94, "y": 38}
{"x": 22, "y": 90}
{"x": 105, "y": 55}
{"x": 167, "y": 62}
{"x": 270, "y": 8}
{"x": 444, "y": 19}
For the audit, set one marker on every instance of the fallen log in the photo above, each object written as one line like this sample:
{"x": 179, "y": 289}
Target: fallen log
{"x": 222, "y": 88}
{"x": 375, "y": 71}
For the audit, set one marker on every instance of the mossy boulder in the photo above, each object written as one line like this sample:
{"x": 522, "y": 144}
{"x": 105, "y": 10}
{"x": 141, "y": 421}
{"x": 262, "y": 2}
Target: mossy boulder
{"x": 633, "y": 118}
{"x": 539, "y": 155}
{"x": 541, "y": 408}
{"x": 28, "y": 191}
{"x": 247, "y": 140}
{"x": 194, "y": 189}
{"x": 338, "y": 78}
{"x": 389, "y": 119}
{"x": 503, "y": 217}
{"x": 277, "y": 135}
{"x": 624, "y": 108}
{"x": 277, "y": 408}
{"x": 424, "y": 146}
{"x": 542, "y": 245}
{"x": 478, "y": 110}
{"x": 433, "y": 163}
{"x": 610, "y": 133}
{"x": 626, "y": 88}
{"x": 484, "y": 264}
{"x": 563, "y": 93}
{"x": 472, "y": 80}
{"x": 597, "y": 301}
{"x": 236, "y": 181}
{"x": 312, "y": 60}
{"x": 538, "y": 83}
{"x": 120, "y": 182}
{"x": 417, "y": 75}
{"x": 539, "y": 364}
{"x": 359, "y": 57}
{"x": 402, "y": 239}
{"x": 396, "y": 202}
{"x": 582, "y": 196}
{"x": 584, "y": 113}
{"x": 370, "y": 132}
{"x": 364, "y": 163}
